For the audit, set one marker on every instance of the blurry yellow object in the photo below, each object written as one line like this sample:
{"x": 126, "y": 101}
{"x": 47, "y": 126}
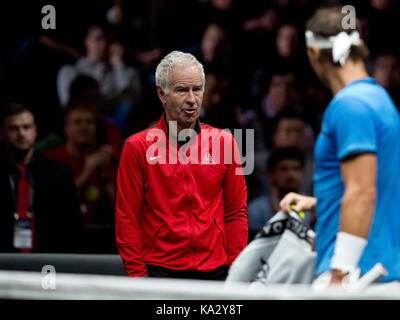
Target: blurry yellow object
{"x": 92, "y": 193}
{"x": 301, "y": 213}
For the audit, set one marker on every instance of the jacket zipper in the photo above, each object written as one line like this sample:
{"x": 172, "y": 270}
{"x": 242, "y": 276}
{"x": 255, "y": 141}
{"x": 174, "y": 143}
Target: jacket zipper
{"x": 190, "y": 214}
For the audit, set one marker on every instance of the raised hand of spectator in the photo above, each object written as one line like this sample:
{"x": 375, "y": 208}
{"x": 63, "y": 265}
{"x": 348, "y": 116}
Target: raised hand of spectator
{"x": 101, "y": 158}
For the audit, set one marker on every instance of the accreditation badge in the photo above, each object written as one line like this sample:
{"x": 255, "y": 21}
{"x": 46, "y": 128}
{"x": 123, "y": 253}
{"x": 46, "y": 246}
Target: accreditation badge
{"x": 23, "y": 234}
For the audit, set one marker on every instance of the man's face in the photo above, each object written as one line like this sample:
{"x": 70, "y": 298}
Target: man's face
{"x": 387, "y": 72}
{"x": 287, "y": 176}
{"x": 19, "y": 131}
{"x": 96, "y": 43}
{"x": 183, "y": 101}
{"x": 290, "y": 133}
{"x": 80, "y": 127}
{"x": 282, "y": 91}
{"x": 287, "y": 40}
{"x": 211, "y": 37}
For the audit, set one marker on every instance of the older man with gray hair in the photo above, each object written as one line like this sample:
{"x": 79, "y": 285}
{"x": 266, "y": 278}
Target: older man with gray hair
{"x": 180, "y": 219}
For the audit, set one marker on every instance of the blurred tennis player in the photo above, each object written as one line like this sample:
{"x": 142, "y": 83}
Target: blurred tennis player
{"x": 357, "y": 159}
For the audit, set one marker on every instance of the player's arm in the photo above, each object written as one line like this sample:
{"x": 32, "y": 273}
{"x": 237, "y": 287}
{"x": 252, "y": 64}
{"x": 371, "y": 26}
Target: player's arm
{"x": 128, "y": 208}
{"x": 357, "y": 212}
{"x": 235, "y": 207}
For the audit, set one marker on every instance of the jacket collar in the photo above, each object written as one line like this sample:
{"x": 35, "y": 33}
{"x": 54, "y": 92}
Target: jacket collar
{"x": 163, "y": 124}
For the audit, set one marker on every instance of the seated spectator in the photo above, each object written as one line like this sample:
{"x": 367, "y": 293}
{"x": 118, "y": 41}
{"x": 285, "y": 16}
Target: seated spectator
{"x": 288, "y": 129}
{"x": 216, "y": 46}
{"x": 282, "y": 93}
{"x": 287, "y": 55}
{"x": 85, "y": 91}
{"x": 218, "y": 108}
{"x": 285, "y": 174}
{"x": 291, "y": 130}
{"x": 93, "y": 165}
{"x": 39, "y": 202}
{"x": 288, "y": 41}
{"x": 386, "y": 71}
{"x": 119, "y": 84}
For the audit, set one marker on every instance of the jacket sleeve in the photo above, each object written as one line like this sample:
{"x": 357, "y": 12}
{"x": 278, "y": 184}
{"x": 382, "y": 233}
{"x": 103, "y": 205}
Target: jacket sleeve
{"x": 235, "y": 207}
{"x": 128, "y": 208}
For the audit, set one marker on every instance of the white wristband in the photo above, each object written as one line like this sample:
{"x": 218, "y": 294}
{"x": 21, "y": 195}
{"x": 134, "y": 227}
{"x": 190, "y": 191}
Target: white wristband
{"x": 348, "y": 251}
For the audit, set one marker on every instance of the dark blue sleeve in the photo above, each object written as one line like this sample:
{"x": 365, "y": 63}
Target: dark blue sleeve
{"x": 353, "y": 126}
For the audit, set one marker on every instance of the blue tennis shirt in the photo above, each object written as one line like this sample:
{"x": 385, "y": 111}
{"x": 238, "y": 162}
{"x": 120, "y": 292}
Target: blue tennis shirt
{"x": 361, "y": 118}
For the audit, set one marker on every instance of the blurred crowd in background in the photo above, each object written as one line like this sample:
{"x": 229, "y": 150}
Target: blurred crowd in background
{"x": 90, "y": 84}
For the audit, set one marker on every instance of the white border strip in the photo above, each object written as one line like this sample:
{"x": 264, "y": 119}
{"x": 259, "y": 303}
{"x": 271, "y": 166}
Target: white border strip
{"x": 28, "y": 285}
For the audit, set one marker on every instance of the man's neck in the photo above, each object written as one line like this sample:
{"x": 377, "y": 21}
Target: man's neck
{"x": 93, "y": 59}
{"x": 20, "y": 160}
{"x": 179, "y": 127}
{"x": 338, "y": 78}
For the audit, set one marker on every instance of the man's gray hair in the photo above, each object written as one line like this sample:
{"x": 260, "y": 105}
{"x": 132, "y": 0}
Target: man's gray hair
{"x": 173, "y": 59}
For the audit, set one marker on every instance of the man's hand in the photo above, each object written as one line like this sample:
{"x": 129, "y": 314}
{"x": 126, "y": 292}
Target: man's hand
{"x": 303, "y": 203}
{"x": 101, "y": 158}
{"x": 337, "y": 277}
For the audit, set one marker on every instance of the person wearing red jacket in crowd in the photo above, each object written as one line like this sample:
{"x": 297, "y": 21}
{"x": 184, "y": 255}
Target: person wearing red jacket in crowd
{"x": 92, "y": 164}
{"x": 181, "y": 207}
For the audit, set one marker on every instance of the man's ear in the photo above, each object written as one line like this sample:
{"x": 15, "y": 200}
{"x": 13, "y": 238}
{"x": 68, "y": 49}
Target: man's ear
{"x": 161, "y": 95}
{"x": 313, "y": 53}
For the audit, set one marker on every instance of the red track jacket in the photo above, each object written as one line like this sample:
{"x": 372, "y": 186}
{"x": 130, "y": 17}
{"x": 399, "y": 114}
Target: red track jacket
{"x": 180, "y": 216}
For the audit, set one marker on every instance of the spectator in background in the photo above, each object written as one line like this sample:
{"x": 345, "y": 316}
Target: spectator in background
{"x": 288, "y": 41}
{"x": 216, "y": 46}
{"x": 38, "y": 199}
{"x": 118, "y": 83}
{"x": 268, "y": 21}
{"x": 282, "y": 93}
{"x": 285, "y": 174}
{"x": 386, "y": 71}
{"x": 288, "y": 129}
{"x": 92, "y": 164}
{"x": 291, "y": 130}
{"x": 85, "y": 91}
{"x": 257, "y": 36}
{"x": 219, "y": 107}
{"x": 287, "y": 55}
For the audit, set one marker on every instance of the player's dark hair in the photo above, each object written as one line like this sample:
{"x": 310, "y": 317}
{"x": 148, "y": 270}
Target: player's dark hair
{"x": 327, "y": 22}
{"x": 280, "y": 154}
{"x": 12, "y": 109}
{"x": 286, "y": 114}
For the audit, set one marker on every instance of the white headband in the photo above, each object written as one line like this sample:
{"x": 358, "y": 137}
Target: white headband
{"x": 340, "y": 44}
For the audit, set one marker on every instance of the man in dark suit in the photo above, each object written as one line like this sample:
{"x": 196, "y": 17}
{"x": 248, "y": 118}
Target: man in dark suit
{"x": 39, "y": 207}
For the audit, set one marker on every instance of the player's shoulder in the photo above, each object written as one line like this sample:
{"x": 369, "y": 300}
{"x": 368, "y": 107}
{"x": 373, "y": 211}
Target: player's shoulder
{"x": 141, "y": 138}
{"x": 347, "y": 104}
